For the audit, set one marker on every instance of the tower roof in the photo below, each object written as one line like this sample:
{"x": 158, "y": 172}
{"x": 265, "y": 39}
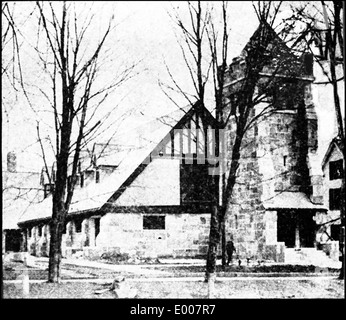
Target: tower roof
{"x": 282, "y": 60}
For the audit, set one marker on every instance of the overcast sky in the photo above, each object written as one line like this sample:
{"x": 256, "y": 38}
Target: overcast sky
{"x": 144, "y": 32}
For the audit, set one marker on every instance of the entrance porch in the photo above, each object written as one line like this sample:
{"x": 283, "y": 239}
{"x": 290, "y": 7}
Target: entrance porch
{"x": 296, "y": 228}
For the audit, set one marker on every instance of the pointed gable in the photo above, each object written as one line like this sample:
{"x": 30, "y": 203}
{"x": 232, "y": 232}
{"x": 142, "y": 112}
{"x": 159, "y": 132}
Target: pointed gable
{"x": 282, "y": 58}
{"x": 334, "y": 144}
{"x": 282, "y": 61}
{"x": 192, "y": 137}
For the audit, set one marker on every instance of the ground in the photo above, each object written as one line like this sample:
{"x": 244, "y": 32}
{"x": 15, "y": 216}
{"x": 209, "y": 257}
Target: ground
{"x": 176, "y": 281}
{"x": 237, "y": 288}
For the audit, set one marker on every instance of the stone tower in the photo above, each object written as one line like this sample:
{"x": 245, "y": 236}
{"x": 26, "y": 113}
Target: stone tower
{"x": 276, "y": 196}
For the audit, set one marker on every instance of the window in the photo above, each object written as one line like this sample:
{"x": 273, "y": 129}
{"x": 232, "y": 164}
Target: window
{"x": 97, "y": 226}
{"x": 234, "y": 102}
{"x": 154, "y": 222}
{"x": 336, "y": 170}
{"x": 40, "y": 231}
{"x": 70, "y": 180}
{"x": 334, "y": 199}
{"x": 308, "y": 63}
{"x": 30, "y": 232}
{"x": 196, "y": 184}
{"x": 77, "y": 180}
{"x": 335, "y": 232}
{"x": 285, "y": 161}
{"x": 48, "y": 188}
{"x": 78, "y": 225}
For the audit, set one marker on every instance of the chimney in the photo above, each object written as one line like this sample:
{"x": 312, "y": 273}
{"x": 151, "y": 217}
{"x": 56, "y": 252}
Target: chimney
{"x": 11, "y": 162}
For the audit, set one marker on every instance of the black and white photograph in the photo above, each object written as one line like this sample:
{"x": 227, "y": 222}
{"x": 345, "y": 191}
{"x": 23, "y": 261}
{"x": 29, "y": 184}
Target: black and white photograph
{"x": 179, "y": 151}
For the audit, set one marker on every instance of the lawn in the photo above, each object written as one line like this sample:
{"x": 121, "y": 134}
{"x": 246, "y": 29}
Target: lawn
{"x": 236, "y": 288}
{"x": 239, "y": 286}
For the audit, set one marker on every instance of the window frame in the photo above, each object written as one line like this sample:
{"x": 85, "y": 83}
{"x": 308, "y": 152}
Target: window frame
{"x": 158, "y": 225}
{"x": 334, "y": 166}
{"x": 335, "y": 199}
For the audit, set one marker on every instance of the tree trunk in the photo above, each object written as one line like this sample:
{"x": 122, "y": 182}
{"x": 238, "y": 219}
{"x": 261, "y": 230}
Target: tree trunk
{"x": 223, "y": 243}
{"x": 214, "y": 240}
{"x": 218, "y": 215}
{"x": 56, "y": 231}
{"x": 54, "y": 254}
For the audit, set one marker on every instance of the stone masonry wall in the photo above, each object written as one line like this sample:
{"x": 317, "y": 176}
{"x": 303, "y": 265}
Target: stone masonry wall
{"x": 185, "y": 235}
{"x": 245, "y": 220}
{"x": 268, "y": 166}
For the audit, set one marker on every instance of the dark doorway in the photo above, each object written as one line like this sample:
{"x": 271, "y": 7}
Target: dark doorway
{"x": 286, "y": 227}
{"x": 289, "y": 221}
{"x": 12, "y": 241}
{"x": 307, "y": 229}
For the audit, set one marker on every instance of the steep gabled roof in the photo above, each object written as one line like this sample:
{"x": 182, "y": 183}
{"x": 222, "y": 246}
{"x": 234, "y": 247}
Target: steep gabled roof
{"x": 283, "y": 60}
{"x": 335, "y": 143}
{"x": 143, "y": 141}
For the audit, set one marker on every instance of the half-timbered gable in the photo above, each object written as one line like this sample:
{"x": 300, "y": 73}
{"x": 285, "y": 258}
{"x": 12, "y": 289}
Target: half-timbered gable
{"x": 179, "y": 169}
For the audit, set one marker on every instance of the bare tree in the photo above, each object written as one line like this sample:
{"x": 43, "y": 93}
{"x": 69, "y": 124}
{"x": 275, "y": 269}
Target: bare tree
{"x": 75, "y": 99}
{"x": 250, "y": 91}
{"x": 11, "y": 44}
{"x": 199, "y": 50}
{"x": 242, "y": 118}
